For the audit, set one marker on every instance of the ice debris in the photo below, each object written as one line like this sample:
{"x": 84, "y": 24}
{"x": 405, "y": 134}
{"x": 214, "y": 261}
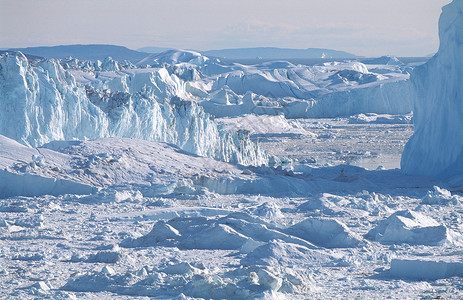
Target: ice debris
{"x": 440, "y": 196}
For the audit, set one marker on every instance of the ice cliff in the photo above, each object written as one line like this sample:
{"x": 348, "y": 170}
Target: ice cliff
{"x": 436, "y": 148}
{"x": 41, "y": 102}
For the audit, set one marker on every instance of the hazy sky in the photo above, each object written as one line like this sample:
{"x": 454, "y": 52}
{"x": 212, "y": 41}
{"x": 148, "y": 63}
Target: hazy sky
{"x": 362, "y": 27}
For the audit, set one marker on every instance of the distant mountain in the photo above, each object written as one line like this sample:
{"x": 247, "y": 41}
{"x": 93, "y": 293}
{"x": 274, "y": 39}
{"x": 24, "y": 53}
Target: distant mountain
{"x": 119, "y": 53}
{"x": 277, "y": 53}
{"x": 154, "y": 50}
{"x": 85, "y": 52}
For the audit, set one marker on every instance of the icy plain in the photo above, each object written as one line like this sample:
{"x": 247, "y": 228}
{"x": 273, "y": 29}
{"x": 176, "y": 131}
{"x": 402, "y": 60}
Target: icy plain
{"x": 184, "y": 177}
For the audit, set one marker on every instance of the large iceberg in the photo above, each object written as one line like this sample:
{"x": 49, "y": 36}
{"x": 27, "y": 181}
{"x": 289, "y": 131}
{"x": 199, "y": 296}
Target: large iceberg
{"x": 436, "y": 148}
{"x": 323, "y": 91}
{"x": 331, "y": 89}
{"x": 41, "y": 102}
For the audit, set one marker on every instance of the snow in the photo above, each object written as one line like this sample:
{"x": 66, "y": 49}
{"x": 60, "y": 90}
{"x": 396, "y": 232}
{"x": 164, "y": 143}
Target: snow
{"x": 130, "y": 240}
{"x": 436, "y": 147}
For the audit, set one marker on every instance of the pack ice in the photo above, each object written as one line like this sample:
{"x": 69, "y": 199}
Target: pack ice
{"x": 160, "y": 179}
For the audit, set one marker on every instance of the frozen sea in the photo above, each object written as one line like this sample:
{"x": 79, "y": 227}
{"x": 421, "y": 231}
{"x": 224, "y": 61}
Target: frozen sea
{"x": 337, "y": 230}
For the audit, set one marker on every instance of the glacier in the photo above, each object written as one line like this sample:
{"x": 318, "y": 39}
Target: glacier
{"x": 42, "y": 102}
{"x": 174, "y": 96}
{"x": 225, "y": 89}
{"x": 436, "y": 148}
{"x": 331, "y": 89}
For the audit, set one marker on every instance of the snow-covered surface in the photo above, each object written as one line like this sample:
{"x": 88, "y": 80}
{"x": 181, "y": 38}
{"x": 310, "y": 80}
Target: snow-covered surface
{"x": 436, "y": 147}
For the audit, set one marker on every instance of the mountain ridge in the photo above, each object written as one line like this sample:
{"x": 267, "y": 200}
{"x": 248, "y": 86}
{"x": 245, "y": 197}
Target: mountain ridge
{"x": 85, "y": 52}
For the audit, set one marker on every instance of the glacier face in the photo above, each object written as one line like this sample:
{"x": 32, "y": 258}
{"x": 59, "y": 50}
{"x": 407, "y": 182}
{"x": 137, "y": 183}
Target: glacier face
{"x": 329, "y": 90}
{"x": 436, "y": 148}
{"x": 42, "y": 102}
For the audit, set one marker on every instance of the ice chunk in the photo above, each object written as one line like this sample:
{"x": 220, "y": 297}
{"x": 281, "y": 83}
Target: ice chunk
{"x": 278, "y": 252}
{"x": 269, "y": 280}
{"x": 29, "y": 257}
{"x": 193, "y": 233}
{"x": 370, "y": 118}
{"x": 91, "y": 282}
{"x": 324, "y": 232}
{"x": 233, "y": 232}
{"x": 425, "y": 269}
{"x": 116, "y": 196}
{"x": 161, "y": 231}
{"x": 181, "y": 269}
{"x": 440, "y": 196}
{"x": 268, "y": 210}
{"x": 219, "y": 236}
{"x": 41, "y": 285}
{"x": 109, "y": 257}
{"x": 175, "y": 57}
{"x": 410, "y": 227}
{"x": 384, "y": 60}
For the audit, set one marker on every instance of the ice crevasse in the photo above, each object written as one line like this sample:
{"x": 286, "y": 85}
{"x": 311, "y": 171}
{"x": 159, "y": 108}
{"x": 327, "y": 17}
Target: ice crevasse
{"x": 41, "y": 102}
{"x": 436, "y": 148}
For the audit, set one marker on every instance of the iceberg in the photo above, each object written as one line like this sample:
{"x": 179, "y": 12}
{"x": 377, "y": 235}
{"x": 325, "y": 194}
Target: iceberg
{"x": 412, "y": 228}
{"x": 42, "y": 102}
{"x": 436, "y": 148}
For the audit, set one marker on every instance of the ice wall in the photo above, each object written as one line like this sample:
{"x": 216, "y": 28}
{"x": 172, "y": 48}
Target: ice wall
{"x": 436, "y": 148}
{"x": 42, "y": 102}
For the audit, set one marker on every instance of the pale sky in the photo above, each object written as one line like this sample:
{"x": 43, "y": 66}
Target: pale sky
{"x": 362, "y": 27}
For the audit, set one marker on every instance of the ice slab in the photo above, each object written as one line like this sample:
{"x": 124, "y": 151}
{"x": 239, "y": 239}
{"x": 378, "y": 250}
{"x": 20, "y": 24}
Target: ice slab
{"x": 425, "y": 269}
